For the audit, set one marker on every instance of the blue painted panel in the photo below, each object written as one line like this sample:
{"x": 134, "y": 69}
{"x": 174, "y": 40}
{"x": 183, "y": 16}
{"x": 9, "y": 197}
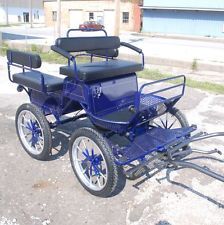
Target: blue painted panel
{"x": 186, "y": 3}
{"x": 203, "y": 23}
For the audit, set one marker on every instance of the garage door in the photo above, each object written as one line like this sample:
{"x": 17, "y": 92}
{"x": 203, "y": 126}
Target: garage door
{"x": 75, "y": 18}
{"x": 109, "y": 20}
{"x": 184, "y": 22}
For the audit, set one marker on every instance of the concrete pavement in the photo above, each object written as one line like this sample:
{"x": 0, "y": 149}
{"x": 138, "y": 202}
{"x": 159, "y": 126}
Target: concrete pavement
{"x": 40, "y": 193}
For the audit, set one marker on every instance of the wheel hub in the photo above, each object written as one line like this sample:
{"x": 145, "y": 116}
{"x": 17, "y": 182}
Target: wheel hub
{"x": 35, "y": 132}
{"x": 93, "y": 162}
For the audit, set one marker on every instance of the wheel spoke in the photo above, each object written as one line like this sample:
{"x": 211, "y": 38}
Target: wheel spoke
{"x": 157, "y": 124}
{"x": 166, "y": 120}
{"x": 41, "y": 138}
{"x": 40, "y": 144}
{"x": 86, "y": 154}
{"x": 101, "y": 174}
{"x": 91, "y": 171}
{"x": 84, "y": 144}
{"x": 24, "y": 126}
{"x": 26, "y": 135}
{"x": 79, "y": 148}
{"x": 172, "y": 124}
{"x": 90, "y": 180}
{"x": 31, "y": 140}
{"x": 98, "y": 181}
{"x": 84, "y": 170}
{"x": 164, "y": 126}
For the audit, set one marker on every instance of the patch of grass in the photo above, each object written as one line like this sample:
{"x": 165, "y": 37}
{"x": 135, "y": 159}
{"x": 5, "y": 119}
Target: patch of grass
{"x": 36, "y": 48}
{"x": 50, "y": 56}
{"x": 152, "y": 74}
{"x": 205, "y": 86}
{"x": 53, "y": 57}
{"x": 3, "y": 48}
{"x": 194, "y": 65}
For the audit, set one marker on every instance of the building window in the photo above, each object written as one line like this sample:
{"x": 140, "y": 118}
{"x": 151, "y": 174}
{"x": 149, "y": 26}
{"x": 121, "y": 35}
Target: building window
{"x": 54, "y": 15}
{"x": 26, "y": 17}
{"x": 125, "y": 17}
{"x": 36, "y": 15}
{"x": 91, "y": 16}
{"x": 19, "y": 18}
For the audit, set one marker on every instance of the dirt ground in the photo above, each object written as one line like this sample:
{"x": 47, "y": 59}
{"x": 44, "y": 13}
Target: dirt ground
{"x": 39, "y": 193}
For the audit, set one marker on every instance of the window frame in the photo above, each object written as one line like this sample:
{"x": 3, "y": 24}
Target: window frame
{"x": 91, "y": 16}
{"x": 125, "y": 17}
{"x": 54, "y": 16}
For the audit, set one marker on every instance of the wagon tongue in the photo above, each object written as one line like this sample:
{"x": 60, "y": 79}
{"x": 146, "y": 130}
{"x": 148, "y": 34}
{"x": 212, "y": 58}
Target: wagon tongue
{"x": 166, "y": 148}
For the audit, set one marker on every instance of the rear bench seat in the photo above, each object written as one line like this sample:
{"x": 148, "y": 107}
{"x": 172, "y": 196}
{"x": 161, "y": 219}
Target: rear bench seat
{"x": 88, "y": 72}
{"x": 32, "y": 78}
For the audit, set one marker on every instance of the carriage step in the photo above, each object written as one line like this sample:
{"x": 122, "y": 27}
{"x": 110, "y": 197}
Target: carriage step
{"x": 153, "y": 140}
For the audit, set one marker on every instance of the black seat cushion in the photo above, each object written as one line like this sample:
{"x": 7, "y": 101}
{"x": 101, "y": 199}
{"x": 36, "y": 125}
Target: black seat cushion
{"x": 102, "y": 70}
{"x": 32, "y": 80}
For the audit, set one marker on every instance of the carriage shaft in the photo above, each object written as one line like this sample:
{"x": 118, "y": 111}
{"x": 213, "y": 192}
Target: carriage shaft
{"x": 198, "y": 168}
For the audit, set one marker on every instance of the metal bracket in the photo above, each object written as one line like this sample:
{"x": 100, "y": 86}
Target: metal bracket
{"x": 97, "y": 91}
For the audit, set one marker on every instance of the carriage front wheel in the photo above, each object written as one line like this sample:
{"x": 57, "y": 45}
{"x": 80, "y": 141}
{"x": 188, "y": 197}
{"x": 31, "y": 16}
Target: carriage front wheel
{"x": 33, "y": 131}
{"x": 93, "y": 162}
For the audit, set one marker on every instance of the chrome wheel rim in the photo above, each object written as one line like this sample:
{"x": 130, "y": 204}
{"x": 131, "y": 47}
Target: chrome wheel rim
{"x": 30, "y": 132}
{"x": 89, "y": 163}
{"x": 166, "y": 121}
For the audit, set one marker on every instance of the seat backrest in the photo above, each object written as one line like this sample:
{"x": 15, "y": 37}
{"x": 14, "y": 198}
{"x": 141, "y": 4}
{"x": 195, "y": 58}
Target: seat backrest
{"x": 79, "y": 44}
{"x": 24, "y": 58}
{"x": 109, "y": 52}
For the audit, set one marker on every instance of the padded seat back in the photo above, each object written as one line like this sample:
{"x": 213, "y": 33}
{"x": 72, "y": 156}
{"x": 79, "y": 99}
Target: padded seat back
{"x": 109, "y": 52}
{"x": 23, "y": 58}
{"x": 79, "y": 44}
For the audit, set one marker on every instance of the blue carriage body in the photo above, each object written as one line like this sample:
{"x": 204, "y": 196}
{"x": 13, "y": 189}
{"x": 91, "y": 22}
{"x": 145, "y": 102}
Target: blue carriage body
{"x": 107, "y": 91}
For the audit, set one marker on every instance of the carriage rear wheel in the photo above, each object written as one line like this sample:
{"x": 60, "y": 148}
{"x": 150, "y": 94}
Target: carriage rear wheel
{"x": 172, "y": 119}
{"x": 93, "y": 162}
{"x": 33, "y": 131}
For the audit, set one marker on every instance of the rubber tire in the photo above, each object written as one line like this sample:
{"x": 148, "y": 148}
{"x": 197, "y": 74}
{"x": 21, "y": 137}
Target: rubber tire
{"x": 183, "y": 122}
{"x": 114, "y": 172}
{"x": 180, "y": 116}
{"x": 44, "y": 155}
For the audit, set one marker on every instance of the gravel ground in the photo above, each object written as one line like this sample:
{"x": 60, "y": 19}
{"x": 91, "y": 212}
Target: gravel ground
{"x": 39, "y": 193}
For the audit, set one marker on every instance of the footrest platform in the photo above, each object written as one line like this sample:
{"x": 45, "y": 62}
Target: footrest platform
{"x": 155, "y": 139}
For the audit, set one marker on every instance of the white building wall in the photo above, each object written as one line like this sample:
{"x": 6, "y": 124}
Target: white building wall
{"x": 2, "y": 15}
{"x": 16, "y": 10}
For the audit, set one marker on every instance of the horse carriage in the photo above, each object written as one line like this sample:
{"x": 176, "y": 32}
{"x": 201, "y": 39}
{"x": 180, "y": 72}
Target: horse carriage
{"x": 134, "y": 129}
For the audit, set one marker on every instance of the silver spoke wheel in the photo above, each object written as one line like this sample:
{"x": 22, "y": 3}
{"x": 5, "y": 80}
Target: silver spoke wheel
{"x": 93, "y": 162}
{"x": 30, "y": 132}
{"x": 89, "y": 163}
{"x": 33, "y": 131}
